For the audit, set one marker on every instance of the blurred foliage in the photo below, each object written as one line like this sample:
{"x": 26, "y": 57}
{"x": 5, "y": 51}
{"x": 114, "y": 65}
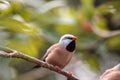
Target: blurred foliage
{"x": 31, "y": 27}
{"x": 114, "y": 44}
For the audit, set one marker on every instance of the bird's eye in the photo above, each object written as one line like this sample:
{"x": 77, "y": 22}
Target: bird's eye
{"x": 68, "y": 38}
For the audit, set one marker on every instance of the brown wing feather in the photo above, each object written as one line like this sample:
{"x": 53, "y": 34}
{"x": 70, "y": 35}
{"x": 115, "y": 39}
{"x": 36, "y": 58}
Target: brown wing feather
{"x": 49, "y": 50}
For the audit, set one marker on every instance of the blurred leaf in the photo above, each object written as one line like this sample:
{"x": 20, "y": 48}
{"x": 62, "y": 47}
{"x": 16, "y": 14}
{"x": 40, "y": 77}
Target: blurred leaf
{"x": 109, "y": 7}
{"x": 67, "y": 28}
{"x": 92, "y": 61}
{"x": 27, "y": 14}
{"x": 16, "y": 6}
{"x": 87, "y": 8}
{"x": 50, "y": 6}
{"x": 5, "y": 8}
{"x": 100, "y": 22}
{"x": 113, "y": 44}
{"x": 17, "y": 26}
{"x": 114, "y": 5}
{"x": 73, "y": 4}
{"x": 29, "y": 46}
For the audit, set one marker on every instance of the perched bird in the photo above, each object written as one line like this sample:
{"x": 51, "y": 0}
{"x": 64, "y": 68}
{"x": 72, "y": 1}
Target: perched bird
{"x": 60, "y": 53}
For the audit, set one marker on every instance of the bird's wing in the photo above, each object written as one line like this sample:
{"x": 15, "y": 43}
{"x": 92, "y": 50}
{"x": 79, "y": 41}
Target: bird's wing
{"x": 49, "y": 50}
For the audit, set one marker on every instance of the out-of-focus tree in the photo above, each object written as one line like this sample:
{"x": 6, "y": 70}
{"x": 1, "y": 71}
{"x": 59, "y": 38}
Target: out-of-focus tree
{"x": 32, "y": 26}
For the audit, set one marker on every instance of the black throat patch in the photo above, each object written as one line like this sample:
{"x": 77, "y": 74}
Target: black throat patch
{"x": 71, "y": 46}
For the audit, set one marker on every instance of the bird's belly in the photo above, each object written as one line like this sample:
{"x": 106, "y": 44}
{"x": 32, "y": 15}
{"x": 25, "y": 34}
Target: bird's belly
{"x": 60, "y": 60}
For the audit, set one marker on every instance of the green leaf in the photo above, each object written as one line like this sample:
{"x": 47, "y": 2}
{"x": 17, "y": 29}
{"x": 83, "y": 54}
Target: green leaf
{"x": 92, "y": 61}
{"x": 17, "y": 26}
{"x": 5, "y": 8}
{"x": 113, "y": 44}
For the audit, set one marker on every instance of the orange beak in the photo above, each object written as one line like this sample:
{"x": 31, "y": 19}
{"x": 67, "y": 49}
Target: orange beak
{"x": 74, "y": 38}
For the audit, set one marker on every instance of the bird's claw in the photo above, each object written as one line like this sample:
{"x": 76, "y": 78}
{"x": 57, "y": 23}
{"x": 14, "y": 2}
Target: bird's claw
{"x": 70, "y": 74}
{"x": 58, "y": 68}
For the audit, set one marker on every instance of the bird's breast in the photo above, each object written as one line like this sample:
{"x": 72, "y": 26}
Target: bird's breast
{"x": 59, "y": 57}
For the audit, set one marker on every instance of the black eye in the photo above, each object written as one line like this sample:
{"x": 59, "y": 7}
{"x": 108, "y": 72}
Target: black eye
{"x": 68, "y": 38}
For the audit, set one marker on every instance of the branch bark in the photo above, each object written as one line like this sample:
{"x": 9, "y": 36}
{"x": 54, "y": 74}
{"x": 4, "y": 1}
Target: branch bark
{"x": 10, "y": 53}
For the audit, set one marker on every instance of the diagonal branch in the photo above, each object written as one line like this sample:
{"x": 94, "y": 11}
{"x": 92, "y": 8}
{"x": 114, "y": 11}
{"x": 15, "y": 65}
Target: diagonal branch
{"x": 10, "y": 53}
{"x": 103, "y": 33}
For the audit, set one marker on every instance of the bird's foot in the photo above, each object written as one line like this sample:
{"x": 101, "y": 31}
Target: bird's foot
{"x": 58, "y": 68}
{"x": 70, "y": 74}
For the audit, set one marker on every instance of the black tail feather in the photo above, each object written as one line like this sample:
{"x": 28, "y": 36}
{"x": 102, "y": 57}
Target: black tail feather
{"x": 37, "y": 66}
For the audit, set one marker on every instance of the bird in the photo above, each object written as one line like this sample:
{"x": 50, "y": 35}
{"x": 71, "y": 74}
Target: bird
{"x": 60, "y": 53}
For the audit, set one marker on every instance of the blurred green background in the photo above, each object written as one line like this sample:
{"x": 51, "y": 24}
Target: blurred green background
{"x": 31, "y": 26}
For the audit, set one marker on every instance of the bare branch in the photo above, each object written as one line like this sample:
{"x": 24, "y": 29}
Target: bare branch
{"x": 10, "y": 53}
{"x": 103, "y": 33}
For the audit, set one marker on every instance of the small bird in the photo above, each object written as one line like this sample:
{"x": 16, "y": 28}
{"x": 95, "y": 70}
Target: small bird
{"x": 60, "y": 54}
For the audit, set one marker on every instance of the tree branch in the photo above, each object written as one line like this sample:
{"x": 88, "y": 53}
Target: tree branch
{"x": 10, "y": 53}
{"x": 103, "y": 33}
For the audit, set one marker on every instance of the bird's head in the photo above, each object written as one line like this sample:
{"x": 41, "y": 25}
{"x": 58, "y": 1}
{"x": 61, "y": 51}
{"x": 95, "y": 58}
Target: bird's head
{"x": 68, "y": 41}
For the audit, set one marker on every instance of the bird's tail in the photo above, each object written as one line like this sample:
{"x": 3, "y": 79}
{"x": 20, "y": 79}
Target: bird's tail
{"x": 37, "y": 66}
